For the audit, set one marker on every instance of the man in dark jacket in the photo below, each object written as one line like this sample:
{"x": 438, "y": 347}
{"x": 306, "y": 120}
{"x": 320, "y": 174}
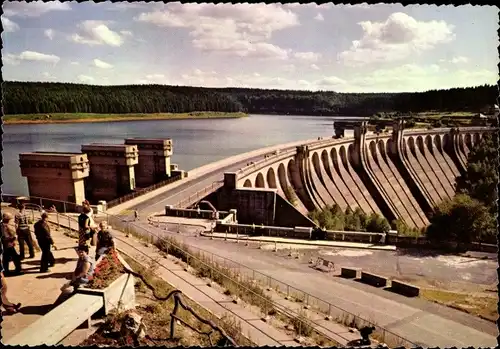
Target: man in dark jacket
{"x": 42, "y": 233}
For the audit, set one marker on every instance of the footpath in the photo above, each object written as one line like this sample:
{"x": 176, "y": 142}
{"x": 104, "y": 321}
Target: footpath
{"x": 260, "y": 332}
{"x": 279, "y": 240}
{"x": 38, "y": 292}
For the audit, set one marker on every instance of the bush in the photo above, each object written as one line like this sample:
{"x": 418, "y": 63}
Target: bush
{"x": 461, "y": 220}
{"x": 332, "y": 218}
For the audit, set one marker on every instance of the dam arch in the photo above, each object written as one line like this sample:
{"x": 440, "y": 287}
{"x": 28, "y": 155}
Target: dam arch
{"x": 247, "y": 184}
{"x": 259, "y": 181}
{"x": 271, "y": 178}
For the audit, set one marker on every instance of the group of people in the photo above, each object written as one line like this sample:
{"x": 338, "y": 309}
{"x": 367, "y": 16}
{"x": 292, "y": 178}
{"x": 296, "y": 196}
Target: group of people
{"x": 16, "y": 230}
{"x": 98, "y": 236}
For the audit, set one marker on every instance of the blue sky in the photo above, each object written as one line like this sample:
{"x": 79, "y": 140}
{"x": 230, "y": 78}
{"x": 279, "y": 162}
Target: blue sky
{"x": 344, "y": 48}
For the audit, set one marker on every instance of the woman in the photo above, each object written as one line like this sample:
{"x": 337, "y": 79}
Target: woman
{"x": 84, "y": 228}
{"x": 84, "y": 268}
{"x": 7, "y": 305}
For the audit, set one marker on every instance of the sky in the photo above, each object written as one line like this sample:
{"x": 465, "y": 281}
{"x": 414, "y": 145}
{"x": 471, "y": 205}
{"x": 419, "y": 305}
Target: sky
{"x": 343, "y": 48}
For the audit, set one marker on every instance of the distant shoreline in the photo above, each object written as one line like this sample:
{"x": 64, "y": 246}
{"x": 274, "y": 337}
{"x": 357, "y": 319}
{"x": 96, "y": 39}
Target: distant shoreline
{"x": 70, "y": 118}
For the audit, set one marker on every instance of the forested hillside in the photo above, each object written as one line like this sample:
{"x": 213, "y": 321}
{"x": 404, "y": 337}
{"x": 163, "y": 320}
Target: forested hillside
{"x": 35, "y": 97}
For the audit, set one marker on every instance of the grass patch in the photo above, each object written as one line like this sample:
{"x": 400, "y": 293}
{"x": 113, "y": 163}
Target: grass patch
{"x": 90, "y": 117}
{"x": 481, "y": 306}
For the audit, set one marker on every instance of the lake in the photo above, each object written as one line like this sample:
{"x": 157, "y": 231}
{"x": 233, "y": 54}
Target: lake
{"x": 195, "y": 142}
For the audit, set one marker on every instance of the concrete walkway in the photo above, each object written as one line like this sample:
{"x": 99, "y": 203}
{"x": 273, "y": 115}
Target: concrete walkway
{"x": 261, "y": 333}
{"x": 36, "y": 291}
{"x": 278, "y": 240}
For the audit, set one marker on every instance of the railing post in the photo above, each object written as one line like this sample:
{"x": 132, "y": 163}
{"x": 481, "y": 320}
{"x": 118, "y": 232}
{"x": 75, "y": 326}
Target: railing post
{"x": 41, "y": 203}
{"x": 64, "y": 207}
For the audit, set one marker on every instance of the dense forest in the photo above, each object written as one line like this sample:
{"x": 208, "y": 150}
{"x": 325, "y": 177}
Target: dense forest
{"x": 38, "y": 97}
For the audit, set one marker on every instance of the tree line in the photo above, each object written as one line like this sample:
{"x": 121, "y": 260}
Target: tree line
{"x": 44, "y": 97}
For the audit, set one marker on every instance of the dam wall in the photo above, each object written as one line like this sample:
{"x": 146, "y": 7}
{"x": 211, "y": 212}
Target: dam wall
{"x": 401, "y": 175}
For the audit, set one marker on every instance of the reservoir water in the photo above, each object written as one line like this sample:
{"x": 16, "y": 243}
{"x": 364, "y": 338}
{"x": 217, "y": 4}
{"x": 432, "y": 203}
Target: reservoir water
{"x": 196, "y": 142}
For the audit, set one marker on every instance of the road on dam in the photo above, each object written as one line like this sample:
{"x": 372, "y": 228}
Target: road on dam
{"x": 419, "y": 321}
{"x": 422, "y": 322}
{"x": 184, "y": 190}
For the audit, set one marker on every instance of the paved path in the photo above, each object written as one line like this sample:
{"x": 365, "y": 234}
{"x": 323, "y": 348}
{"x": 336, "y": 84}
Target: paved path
{"x": 287, "y": 241}
{"x": 219, "y": 304}
{"x": 197, "y": 179}
{"x": 407, "y": 317}
{"x": 36, "y": 291}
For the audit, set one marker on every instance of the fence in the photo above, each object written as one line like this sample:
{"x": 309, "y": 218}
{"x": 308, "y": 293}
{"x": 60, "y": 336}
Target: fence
{"x": 191, "y": 259}
{"x": 248, "y": 275}
{"x": 142, "y": 191}
{"x": 200, "y": 194}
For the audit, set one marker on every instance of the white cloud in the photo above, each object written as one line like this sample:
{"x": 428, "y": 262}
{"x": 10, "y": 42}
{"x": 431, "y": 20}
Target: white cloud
{"x": 96, "y": 33}
{"x": 101, "y": 64}
{"x": 75, "y": 63}
{"x": 48, "y": 76}
{"x": 8, "y": 25}
{"x": 412, "y": 77}
{"x": 330, "y": 81}
{"x": 319, "y": 17}
{"x": 33, "y": 9}
{"x": 314, "y": 67}
{"x": 152, "y": 79}
{"x": 307, "y": 56}
{"x": 31, "y": 56}
{"x": 395, "y": 39}
{"x": 86, "y": 79}
{"x": 126, "y": 32}
{"x": 240, "y": 29}
{"x": 459, "y": 59}
{"x": 155, "y": 76}
{"x": 49, "y": 33}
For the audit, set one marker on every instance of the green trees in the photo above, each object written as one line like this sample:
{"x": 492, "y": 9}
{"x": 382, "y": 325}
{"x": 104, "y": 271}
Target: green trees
{"x": 333, "y": 218}
{"x": 37, "y": 97}
{"x": 461, "y": 220}
{"x": 470, "y": 215}
{"x": 481, "y": 179}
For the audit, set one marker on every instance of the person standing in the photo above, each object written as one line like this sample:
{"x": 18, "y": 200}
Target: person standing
{"x": 84, "y": 229}
{"x": 105, "y": 241}
{"x": 42, "y": 233}
{"x": 6, "y": 303}
{"x": 23, "y": 232}
{"x": 136, "y": 215}
{"x": 9, "y": 243}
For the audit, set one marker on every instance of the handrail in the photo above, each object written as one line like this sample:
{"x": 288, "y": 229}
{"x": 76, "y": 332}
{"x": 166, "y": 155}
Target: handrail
{"x": 306, "y": 296}
{"x": 142, "y": 191}
{"x": 270, "y": 304}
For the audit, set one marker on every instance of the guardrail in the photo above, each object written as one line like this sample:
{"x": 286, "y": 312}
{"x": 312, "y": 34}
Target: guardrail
{"x": 265, "y": 280}
{"x": 142, "y": 191}
{"x": 128, "y": 227}
{"x": 200, "y": 194}
{"x": 309, "y": 300}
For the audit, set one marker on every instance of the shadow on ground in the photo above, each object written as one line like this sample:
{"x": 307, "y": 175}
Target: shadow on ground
{"x": 55, "y": 276}
{"x": 61, "y": 260}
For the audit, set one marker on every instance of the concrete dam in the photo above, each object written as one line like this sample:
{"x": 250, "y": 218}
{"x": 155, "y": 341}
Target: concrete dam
{"x": 400, "y": 175}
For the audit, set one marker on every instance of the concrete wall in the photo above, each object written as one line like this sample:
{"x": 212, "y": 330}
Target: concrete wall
{"x": 401, "y": 175}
